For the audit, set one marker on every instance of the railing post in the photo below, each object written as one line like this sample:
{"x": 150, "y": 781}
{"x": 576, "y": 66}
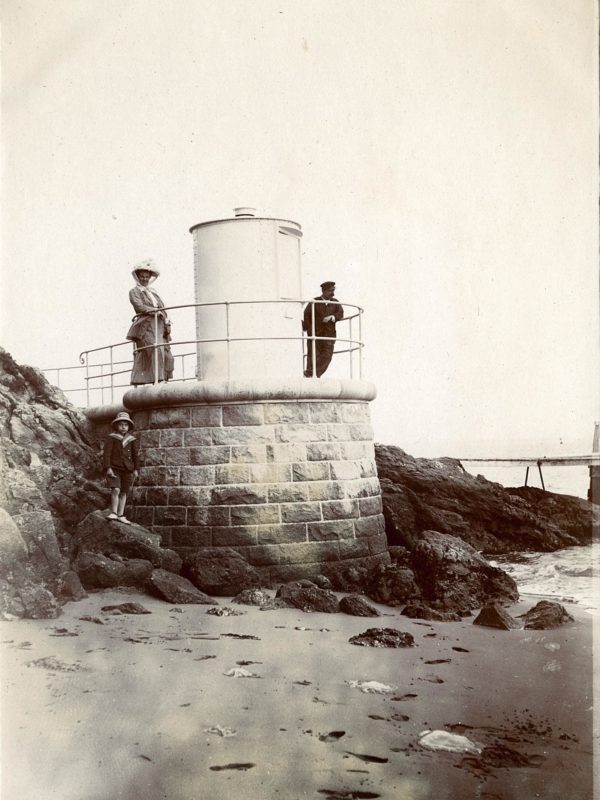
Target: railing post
{"x": 360, "y": 347}
{"x": 313, "y": 343}
{"x": 228, "y": 345}
{"x": 155, "y": 351}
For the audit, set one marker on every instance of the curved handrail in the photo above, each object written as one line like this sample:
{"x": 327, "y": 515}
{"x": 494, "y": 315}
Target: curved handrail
{"x": 104, "y": 372}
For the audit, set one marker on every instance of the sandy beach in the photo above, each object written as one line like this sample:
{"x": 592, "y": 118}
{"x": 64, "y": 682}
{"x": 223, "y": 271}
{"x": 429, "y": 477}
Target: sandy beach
{"x": 140, "y": 706}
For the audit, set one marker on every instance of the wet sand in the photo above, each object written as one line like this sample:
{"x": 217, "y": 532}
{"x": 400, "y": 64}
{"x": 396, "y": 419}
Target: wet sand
{"x": 125, "y": 709}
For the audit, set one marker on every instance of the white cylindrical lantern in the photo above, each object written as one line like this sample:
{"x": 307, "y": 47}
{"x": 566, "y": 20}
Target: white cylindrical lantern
{"x": 238, "y": 264}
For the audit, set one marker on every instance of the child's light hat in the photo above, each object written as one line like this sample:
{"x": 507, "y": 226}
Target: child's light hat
{"x": 123, "y": 416}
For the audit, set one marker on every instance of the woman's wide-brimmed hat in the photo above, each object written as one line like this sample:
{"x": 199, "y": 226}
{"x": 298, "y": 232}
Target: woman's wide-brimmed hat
{"x": 123, "y": 416}
{"x": 147, "y": 264}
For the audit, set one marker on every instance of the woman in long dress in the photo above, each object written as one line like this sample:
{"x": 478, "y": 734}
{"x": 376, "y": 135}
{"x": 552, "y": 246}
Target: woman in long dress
{"x": 150, "y": 326}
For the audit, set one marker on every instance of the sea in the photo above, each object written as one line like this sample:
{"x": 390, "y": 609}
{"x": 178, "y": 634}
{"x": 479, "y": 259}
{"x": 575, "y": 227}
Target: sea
{"x": 571, "y": 575}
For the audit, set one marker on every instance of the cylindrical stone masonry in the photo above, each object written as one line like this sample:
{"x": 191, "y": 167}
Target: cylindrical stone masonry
{"x": 284, "y": 473}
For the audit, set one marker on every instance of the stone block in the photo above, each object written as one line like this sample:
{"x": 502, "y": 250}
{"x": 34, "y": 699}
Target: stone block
{"x": 331, "y": 530}
{"x": 208, "y": 515}
{"x": 159, "y": 476}
{"x": 310, "y": 471}
{"x": 368, "y": 468}
{"x": 357, "y": 451}
{"x": 198, "y": 437}
{"x": 191, "y": 536}
{"x": 209, "y": 455}
{"x": 326, "y": 490}
{"x": 141, "y": 420}
{"x": 340, "y": 509}
{"x": 323, "y": 451}
{"x": 138, "y": 495}
{"x": 172, "y": 438}
{"x": 170, "y": 418}
{"x": 197, "y": 476}
{"x": 286, "y": 412}
{"x": 340, "y": 432}
{"x": 206, "y": 417}
{"x": 345, "y": 470}
{"x": 152, "y": 457}
{"x": 270, "y": 473}
{"x": 308, "y": 551}
{"x": 369, "y": 526}
{"x": 370, "y": 505}
{"x": 378, "y": 544}
{"x": 354, "y": 548}
{"x": 183, "y": 496}
{"x": 300, "y": 512}
{"x": 177, "y": 455}
{"x": 248, "y": 453}
{"x": 148, "y": 439}
{"x": 364, "y": 487}
{"x": 260, "y": 555}
{"x": 282, "y": 534}
{"x": 301, "y": 433}
{"x": 165, "y": 534}
{"x": 231, "y": 536}
{"x": 289, "y": 493}
{"x": 239, "y": 434}
{"x": 325, "y": 412}
{"x": 244, "y": 414}
{"x": 238, "y": 495}
{"x": 157, "y": 496}
{"x": 355, "y": 412}
{"x": 144, "y": 515}
{"x": 361, "y": 431}
{"x": 267, "y": 514}
{"x": 170, "y": 515}
{"x": 232, "y": 473}
{"x": 286, "y": 453}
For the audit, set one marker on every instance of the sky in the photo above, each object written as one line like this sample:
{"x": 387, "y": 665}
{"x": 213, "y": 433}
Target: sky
{"x": 440, "y": 155}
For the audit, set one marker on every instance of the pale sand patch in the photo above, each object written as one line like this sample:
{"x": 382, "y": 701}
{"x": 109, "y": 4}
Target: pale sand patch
{"x": 105, "y": 718}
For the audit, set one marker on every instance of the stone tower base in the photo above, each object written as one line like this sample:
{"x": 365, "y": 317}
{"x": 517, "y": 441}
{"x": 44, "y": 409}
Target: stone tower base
{"x": 284, "y": 473}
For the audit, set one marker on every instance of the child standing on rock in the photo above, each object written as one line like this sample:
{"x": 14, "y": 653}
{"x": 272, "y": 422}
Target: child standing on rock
{"x": 121, "y": 464}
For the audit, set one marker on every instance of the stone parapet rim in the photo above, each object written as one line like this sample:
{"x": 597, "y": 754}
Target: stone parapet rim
{"x": 240, "y": 391}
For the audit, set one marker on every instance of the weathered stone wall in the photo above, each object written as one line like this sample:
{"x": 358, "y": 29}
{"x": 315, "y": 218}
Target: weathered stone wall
{"x": 291, "y": 486}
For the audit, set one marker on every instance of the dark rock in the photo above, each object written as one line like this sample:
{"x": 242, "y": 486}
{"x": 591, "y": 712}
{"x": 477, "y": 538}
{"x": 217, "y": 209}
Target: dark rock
{"x": 494, "y": 616}
{"x": 252, "y": 597}
{"x": 38, "y": 603}
{"x": 220, "y": 571}
{"x": 399, "y": 555}
{"x": 322, "y": 581}
{"x": 306, "y": 596}
{"x": 424, "y": 494}
{"x": 348, "y": 577}
{"x": 99, "y": 572}
{"x": 126, "y": 608}
{"x": 96, "y": 534}
{"x": 453, "y": 576}
{"x": 71, "y": 588}
{"x": 544, "y": 615}
{"x": 383, "y": 637}
{"x": 391, "y": 584}
{"x": 357, "y": 606}
{"x": 422, "y": 611}
{"x": 176, "y": 589}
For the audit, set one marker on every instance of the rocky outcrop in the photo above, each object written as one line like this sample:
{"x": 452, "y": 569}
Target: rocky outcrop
{"x": 357, "y": 606}
{"x": 493, "y": 615}
{"x": 544, "y": 615}
{"x": 306, "y": 596}
{"x": 48, "y": 471}
{"x": 220, "y": 571}
{"x": 421, "y": 494}
{"x": 176, "y": 589}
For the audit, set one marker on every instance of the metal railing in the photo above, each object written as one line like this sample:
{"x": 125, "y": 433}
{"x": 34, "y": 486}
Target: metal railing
{"x": 103, "y": 367}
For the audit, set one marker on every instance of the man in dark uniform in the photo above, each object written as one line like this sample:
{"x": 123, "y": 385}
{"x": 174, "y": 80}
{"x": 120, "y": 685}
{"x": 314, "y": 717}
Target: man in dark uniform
{"x": 326, "y": 315}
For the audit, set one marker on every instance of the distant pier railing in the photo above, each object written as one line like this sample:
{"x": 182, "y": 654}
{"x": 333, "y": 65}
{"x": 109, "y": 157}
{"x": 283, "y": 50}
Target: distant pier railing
{"x": 104, "y": 371}
{"x": 591, "y": 460}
